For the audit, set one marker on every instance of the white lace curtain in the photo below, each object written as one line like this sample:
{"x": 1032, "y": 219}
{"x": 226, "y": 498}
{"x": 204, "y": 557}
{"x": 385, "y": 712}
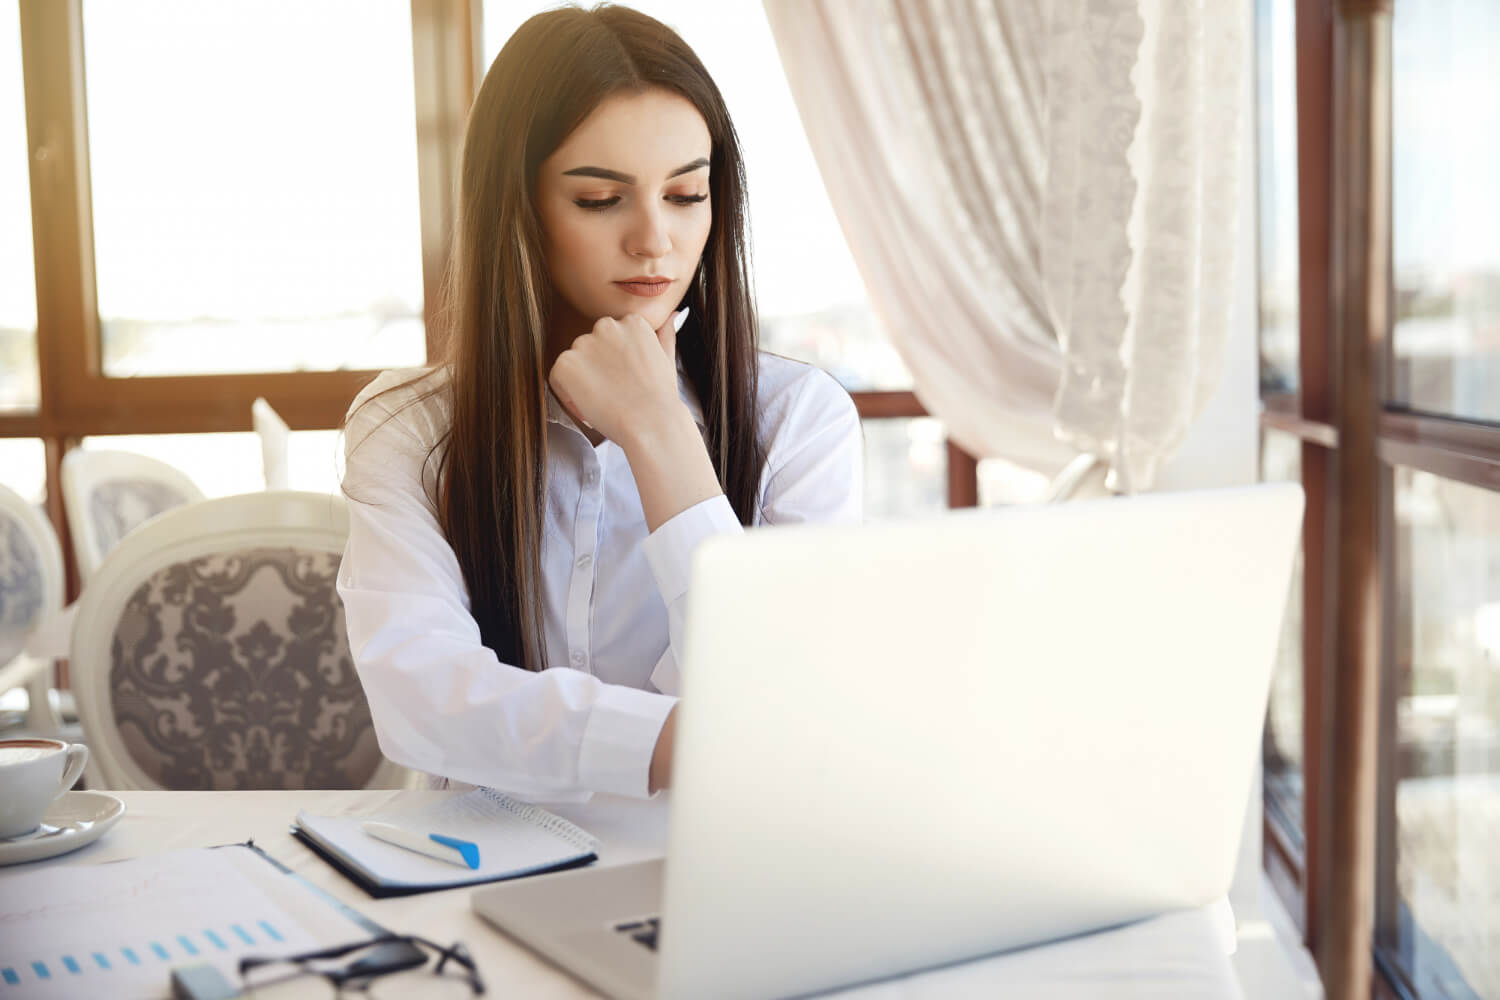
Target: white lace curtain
{"x": 1041, "y": 196}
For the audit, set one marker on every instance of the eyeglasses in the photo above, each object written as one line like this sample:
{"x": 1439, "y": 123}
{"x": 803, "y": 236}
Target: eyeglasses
{"x": 380, "y": 968}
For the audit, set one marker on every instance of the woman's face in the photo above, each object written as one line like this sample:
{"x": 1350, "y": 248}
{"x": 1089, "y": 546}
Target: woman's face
{"x": 626, "y": 196}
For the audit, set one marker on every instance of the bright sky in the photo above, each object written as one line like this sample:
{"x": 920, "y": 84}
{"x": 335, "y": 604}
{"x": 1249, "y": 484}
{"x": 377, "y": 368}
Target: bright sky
{"x": 17, "y": 292}
{"x": 1446, "y": 123}
{"x": 252, "y": 159}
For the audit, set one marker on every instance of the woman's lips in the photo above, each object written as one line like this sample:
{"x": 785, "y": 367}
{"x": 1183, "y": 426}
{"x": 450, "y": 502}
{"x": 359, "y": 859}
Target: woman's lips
{"x": 645, "y": 289}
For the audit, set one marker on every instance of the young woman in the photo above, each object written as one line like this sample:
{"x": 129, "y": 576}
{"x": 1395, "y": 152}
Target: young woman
{"x": 522, "y": 516}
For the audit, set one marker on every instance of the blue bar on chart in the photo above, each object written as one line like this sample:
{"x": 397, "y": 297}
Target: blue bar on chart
{"x": 41, "y": 970}
{"x": 217, "y": 941}
{"x": 271, "y": 931}
{"x": 103, "y": 962}
{"x": 161, "y": 952}
{"x": 187, "y": 945}
{"x": 71, "y": 964}
{"x": 9, "y": 975}
{"x": 130, "y": 955}
{"x": 241, "y": 932}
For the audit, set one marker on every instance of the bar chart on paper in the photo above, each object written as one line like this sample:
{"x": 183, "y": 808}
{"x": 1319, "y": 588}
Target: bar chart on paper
{"x": 117, "y": 930}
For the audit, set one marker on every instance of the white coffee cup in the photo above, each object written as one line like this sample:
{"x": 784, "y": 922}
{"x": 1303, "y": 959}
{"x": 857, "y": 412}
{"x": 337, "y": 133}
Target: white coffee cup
{"x": 33, "y": 774}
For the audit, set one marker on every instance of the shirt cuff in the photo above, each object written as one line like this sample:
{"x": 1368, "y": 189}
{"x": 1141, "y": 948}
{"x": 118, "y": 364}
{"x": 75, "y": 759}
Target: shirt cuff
{"x": 620, "y": 739}
{"x": 669, "y": 549}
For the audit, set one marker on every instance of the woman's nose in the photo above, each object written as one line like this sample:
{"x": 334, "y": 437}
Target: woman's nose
{"x": 648, "y": 234}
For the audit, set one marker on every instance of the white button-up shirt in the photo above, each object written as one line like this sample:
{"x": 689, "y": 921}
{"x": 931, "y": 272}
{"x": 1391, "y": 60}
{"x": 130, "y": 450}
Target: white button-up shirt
{"x": 613, "y": 597}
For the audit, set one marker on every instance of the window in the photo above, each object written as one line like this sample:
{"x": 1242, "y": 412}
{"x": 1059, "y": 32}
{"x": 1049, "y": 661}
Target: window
{"x": 255, "y": 195}
{"x": 1439, "y": 917}
{"x": 1446, "y": 153}
{"x": 1276, "y": 130}
{"x": 226, "y": 464}
{"x": 23, "y": 468}
{"x": 1427, "y": 465}
{"x": 20, "y": 385}
{"x": 906, "y": 467}
{"x": 1281, "y": 460}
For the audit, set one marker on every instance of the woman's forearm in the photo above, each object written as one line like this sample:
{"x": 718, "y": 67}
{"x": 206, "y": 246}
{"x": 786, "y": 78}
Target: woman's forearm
{"x": 661, "y": 759}
{"x": 671, "y": 467}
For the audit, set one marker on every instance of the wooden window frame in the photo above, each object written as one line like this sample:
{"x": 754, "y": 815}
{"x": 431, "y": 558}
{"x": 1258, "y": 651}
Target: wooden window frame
{"x": 1353, "y": 438}
{"x": 77, "y": 398}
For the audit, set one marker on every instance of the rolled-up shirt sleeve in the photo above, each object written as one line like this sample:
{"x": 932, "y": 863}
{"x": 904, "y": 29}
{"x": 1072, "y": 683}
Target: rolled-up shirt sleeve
{"x": 814, "y": 473}
{"x": 441, "y": 701}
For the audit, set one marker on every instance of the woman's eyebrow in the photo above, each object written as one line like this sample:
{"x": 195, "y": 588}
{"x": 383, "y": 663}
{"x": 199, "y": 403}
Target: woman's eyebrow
{"x": 615, "y": 175}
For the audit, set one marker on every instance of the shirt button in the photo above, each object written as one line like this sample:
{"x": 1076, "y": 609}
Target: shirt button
{"x": 584, "y": 561}
{"x": 592, "y": 477}
{"x": 578, "y": 658}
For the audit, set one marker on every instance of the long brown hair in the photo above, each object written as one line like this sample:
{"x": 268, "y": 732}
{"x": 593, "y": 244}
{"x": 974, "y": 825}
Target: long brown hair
{"x": 491, "y": 482}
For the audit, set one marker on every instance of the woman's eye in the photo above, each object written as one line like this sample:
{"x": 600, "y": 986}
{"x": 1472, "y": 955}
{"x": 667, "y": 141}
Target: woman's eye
{"x": 600, "y": 204}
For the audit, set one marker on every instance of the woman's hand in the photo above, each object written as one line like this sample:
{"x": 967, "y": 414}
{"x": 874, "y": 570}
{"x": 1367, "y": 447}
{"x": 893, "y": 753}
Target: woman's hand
{"x": 661, "y": 758}
{"x": 621, "y": 378}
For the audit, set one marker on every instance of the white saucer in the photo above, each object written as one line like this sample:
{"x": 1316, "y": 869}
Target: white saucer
{"x": 79, "y": 818}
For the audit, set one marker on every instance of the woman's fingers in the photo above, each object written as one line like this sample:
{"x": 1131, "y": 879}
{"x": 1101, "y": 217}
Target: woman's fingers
{"x": 621, "y": 375}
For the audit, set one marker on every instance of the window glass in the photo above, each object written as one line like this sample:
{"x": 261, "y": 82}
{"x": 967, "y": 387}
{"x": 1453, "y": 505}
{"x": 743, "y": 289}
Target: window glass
{"x": 811, "y": 300}
{"x": 906, "y": 467}
{"x": 1281, "y": 461}
{"x": 255, "y": 196}
{"x": 20, "y": 384}
{"x": 1440, "y": 919}
{"x": 1276, "y": 97}
{"x": 1445, "y": 157}
{"x": 1003, "y": 482}
{"x": 228, "y": 464}
{"x": 23, "y": 468}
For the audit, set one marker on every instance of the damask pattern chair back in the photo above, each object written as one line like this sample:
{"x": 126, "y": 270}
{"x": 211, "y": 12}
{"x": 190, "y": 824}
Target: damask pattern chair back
{"x": 108, "y": 494}
{"x": 211, "y": 653}
{"x": 31, "y": 587}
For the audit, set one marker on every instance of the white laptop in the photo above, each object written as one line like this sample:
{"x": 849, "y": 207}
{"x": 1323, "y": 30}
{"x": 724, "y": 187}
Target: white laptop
{"x": 907, "y": 744}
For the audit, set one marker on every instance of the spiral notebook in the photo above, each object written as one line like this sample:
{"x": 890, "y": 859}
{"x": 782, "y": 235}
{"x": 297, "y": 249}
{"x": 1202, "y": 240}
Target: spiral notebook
{"x": 515, "y": 838}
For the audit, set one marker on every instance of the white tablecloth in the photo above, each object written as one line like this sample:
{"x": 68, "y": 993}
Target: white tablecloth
{"x": 1182, "y": 954}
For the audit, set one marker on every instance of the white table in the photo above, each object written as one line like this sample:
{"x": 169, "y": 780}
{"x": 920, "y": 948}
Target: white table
{"x": 1178, "y": 955}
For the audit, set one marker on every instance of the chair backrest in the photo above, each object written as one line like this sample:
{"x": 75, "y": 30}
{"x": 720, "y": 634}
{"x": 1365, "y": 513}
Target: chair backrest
{"x": 31, "y": 575}
{"x": 210, "y": 652}
{"x": 275, "y": 443}
{"x": 110, "y": 493}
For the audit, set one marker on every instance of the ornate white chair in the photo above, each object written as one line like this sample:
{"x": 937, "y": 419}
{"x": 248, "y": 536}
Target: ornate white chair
{"x": 209, "y": 652}
{"x": 275, "y": 443}
{"x": 31, "y": 589}
{"x": 109, "y": 493}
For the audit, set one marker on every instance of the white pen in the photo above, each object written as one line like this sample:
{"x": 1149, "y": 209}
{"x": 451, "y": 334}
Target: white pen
{"x": 460, "y": 852}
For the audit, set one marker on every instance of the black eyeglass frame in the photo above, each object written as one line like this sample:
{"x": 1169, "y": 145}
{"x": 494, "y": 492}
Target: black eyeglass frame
{"x": 388, "y": 956}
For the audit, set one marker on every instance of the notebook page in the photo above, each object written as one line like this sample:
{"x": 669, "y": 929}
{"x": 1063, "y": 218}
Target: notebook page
{"x": 513, "y": 838}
